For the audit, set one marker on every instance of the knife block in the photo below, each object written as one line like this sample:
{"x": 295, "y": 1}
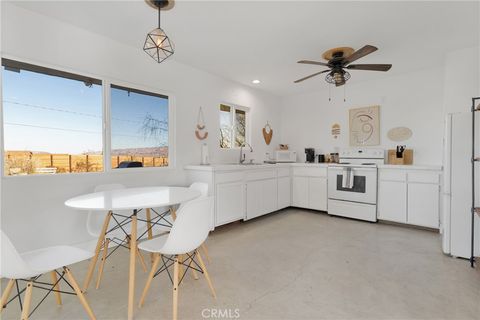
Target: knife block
{"x": 407, "y": 157}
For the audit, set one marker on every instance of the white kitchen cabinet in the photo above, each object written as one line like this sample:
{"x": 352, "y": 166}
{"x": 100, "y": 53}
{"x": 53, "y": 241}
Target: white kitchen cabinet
{"x": 261, "y": 197}
{"x": 284, "y": 193}
{"x": 230, "y": 202}
{"x": 423, "y": 204}
{"x": 317, "y": 193}
{"x": 392, "y": 201}
{"x": 300, "y": 192}
{"x": 410, "y": 196}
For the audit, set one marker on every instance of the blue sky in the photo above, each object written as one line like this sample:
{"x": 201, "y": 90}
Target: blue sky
{"x": 58, "y": 115}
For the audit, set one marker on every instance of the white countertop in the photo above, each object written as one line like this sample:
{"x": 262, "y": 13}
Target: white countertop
{"x": 411, "y": 167}
{"x": 229, "y": 167}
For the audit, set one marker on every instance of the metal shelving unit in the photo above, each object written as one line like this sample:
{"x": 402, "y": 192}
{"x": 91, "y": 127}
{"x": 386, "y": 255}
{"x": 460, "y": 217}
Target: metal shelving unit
{"x": 475, "y": 159}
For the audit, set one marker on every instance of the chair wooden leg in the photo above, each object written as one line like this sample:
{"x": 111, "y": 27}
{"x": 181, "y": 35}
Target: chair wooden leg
{"x": 205, "y": 272}
{"x": 149, "y": 232}
{"x": 27, "y": 301}
{"x": 142, "y": 261}
{"x": 6, "y": 293}
{"x": 101, "y": 239}
{"x": 58, "y": 297}
{"x": 205, "y": 251}
{"x": 180, "y": 265}
{"x": 102, "y": 262}
{"x": 131, "y": 275}
{"x": 175, "y": 288}
{"x": 173, "y": 212}
{"x": 156, "y": 261}
{"x": 79, "y": 293}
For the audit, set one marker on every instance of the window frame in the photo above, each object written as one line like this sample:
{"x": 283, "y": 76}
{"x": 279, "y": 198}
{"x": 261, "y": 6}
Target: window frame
{"x": 106, "y": 82}
{"x": 235, "y": 107}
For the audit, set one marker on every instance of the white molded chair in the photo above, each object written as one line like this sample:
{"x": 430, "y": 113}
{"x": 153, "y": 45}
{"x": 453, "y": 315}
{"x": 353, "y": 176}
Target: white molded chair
{"x": 116, "y": 237}
{"x": 31, "y": 265}
{"x": 190, "y": 230}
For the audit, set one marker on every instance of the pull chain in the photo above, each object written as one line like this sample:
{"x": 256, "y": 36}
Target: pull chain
{"x": 329, "y": 92}
{"x": 344, "y": 92}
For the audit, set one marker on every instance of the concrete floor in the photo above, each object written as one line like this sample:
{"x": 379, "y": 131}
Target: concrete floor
{"x": 298, "y": 264}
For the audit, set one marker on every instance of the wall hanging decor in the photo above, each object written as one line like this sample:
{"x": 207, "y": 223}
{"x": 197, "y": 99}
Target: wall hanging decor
{"x": 157, "y": 44}
{"x": 200, "y": 131}
{"x": 364, "y": 126}
{"x": 267, "y": 133}
{"x": 335, "y": 130}
{"x": 399, "y": 134}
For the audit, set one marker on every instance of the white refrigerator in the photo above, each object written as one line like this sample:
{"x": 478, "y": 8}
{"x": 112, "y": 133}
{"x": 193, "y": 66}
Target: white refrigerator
{"x": 457, "y": 194}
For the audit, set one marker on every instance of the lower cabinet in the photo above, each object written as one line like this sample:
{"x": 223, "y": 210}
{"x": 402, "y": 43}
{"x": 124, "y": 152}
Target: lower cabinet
{"x": 423, "y": 204}
{"x": 310, "y": 192}
{"x": 300, "y": 192}
{"x": 261, "y": 197}
{"x": 392, "y": 201}
{"x": 409, "y": 196}
{"x": 284, "y": 190}
{"x": 230, "y": 202}
{"x": 317, "y": 193}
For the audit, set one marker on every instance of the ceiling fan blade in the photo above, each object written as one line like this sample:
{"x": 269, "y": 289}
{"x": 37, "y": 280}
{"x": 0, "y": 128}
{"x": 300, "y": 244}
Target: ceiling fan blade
{"x": 310, "y": 76}
{"x": 362, "y": 52}
{"x": 313, "y": 62}
{"x": 370, "y": 67}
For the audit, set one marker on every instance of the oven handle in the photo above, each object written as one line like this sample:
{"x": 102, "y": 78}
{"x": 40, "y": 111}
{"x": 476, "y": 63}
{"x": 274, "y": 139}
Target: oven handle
{"x": 353, "y": 167}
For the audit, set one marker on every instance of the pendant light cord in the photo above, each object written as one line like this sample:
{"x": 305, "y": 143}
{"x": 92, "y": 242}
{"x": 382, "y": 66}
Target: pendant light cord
{"x": 159, "y": 10}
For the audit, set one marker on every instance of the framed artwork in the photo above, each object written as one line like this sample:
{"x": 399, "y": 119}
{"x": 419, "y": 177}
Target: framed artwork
{"x": 364, "y": 126}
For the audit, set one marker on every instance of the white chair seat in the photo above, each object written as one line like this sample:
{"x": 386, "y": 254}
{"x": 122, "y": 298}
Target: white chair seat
{"x": 154, "y": 245}
{"x": 47, "y": 259}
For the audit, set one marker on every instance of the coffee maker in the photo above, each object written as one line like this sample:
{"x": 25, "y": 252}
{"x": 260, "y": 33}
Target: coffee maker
{"x": 309, "y": 155}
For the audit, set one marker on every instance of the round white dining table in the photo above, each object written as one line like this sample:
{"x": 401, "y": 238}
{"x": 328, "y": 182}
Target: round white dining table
{"x": 133, "y": 199}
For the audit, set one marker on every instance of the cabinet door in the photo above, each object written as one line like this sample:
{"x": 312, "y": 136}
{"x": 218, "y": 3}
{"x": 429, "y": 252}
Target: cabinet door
{"x": 269, "y": 195}
{"x": 392, "y": 201}
{"x": 317, "y": 193}
{"x": 423, "y": 204}
{"x": 284, "y": 192}
{"x": 261, "y": 197}
{"x": 230, "y": 200}
{"x": 254, "y": 199}
{"x": 300, "y": 192}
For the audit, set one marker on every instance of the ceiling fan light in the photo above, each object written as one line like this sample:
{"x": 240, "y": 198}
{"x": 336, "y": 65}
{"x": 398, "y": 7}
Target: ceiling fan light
{"x": 158, "y": 45}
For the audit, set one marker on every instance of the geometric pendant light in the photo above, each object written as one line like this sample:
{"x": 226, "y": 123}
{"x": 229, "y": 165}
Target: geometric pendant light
{"x": 157, "y": 44}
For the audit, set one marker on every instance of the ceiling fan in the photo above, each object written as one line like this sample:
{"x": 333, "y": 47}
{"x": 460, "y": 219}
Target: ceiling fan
{"x": 340, "y": 59}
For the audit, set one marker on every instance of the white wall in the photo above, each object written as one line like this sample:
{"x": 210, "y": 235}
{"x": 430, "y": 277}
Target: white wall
{"x": 413, "y": 100}
{"x": 33, "y": 205}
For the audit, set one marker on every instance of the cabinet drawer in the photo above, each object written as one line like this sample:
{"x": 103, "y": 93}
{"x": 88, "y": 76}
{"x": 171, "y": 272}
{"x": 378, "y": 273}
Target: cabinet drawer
{"x": 392, "y": 175}
{"x": 228, "y": 177}
{"x": 424, "y": 177}
{"x": 260, "y": 175}
{"x": 283, "y": 172}
{"x": 310, "y": 172}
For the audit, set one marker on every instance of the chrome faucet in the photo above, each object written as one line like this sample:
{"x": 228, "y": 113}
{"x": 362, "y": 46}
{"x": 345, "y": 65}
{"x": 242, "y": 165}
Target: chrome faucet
{"x": 242, "y": 155}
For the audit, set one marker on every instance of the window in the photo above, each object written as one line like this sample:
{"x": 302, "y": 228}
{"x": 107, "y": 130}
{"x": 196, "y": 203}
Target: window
{"x": 52, "y": 121}
{"x": 233, "y": 126}
{"x": 139, "y": 128}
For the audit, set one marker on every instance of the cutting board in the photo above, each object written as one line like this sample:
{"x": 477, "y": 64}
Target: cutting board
{"x": 407, "y": 157}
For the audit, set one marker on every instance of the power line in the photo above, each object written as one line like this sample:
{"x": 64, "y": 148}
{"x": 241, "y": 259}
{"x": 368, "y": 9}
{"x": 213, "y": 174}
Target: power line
{"x": 70, "y": 130}
{"x": 52, "y": 128}
{"x": 74, "y": 112}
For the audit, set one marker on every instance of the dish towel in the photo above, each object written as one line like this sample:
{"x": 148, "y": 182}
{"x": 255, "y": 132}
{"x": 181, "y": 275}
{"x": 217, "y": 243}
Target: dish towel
{"x": 347, "y": 178}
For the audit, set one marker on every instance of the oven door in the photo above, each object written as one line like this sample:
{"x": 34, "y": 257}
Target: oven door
{"x": 364, "y": 188}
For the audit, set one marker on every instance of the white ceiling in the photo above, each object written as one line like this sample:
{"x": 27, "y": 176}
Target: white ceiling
{"x": 246, "y": 40}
